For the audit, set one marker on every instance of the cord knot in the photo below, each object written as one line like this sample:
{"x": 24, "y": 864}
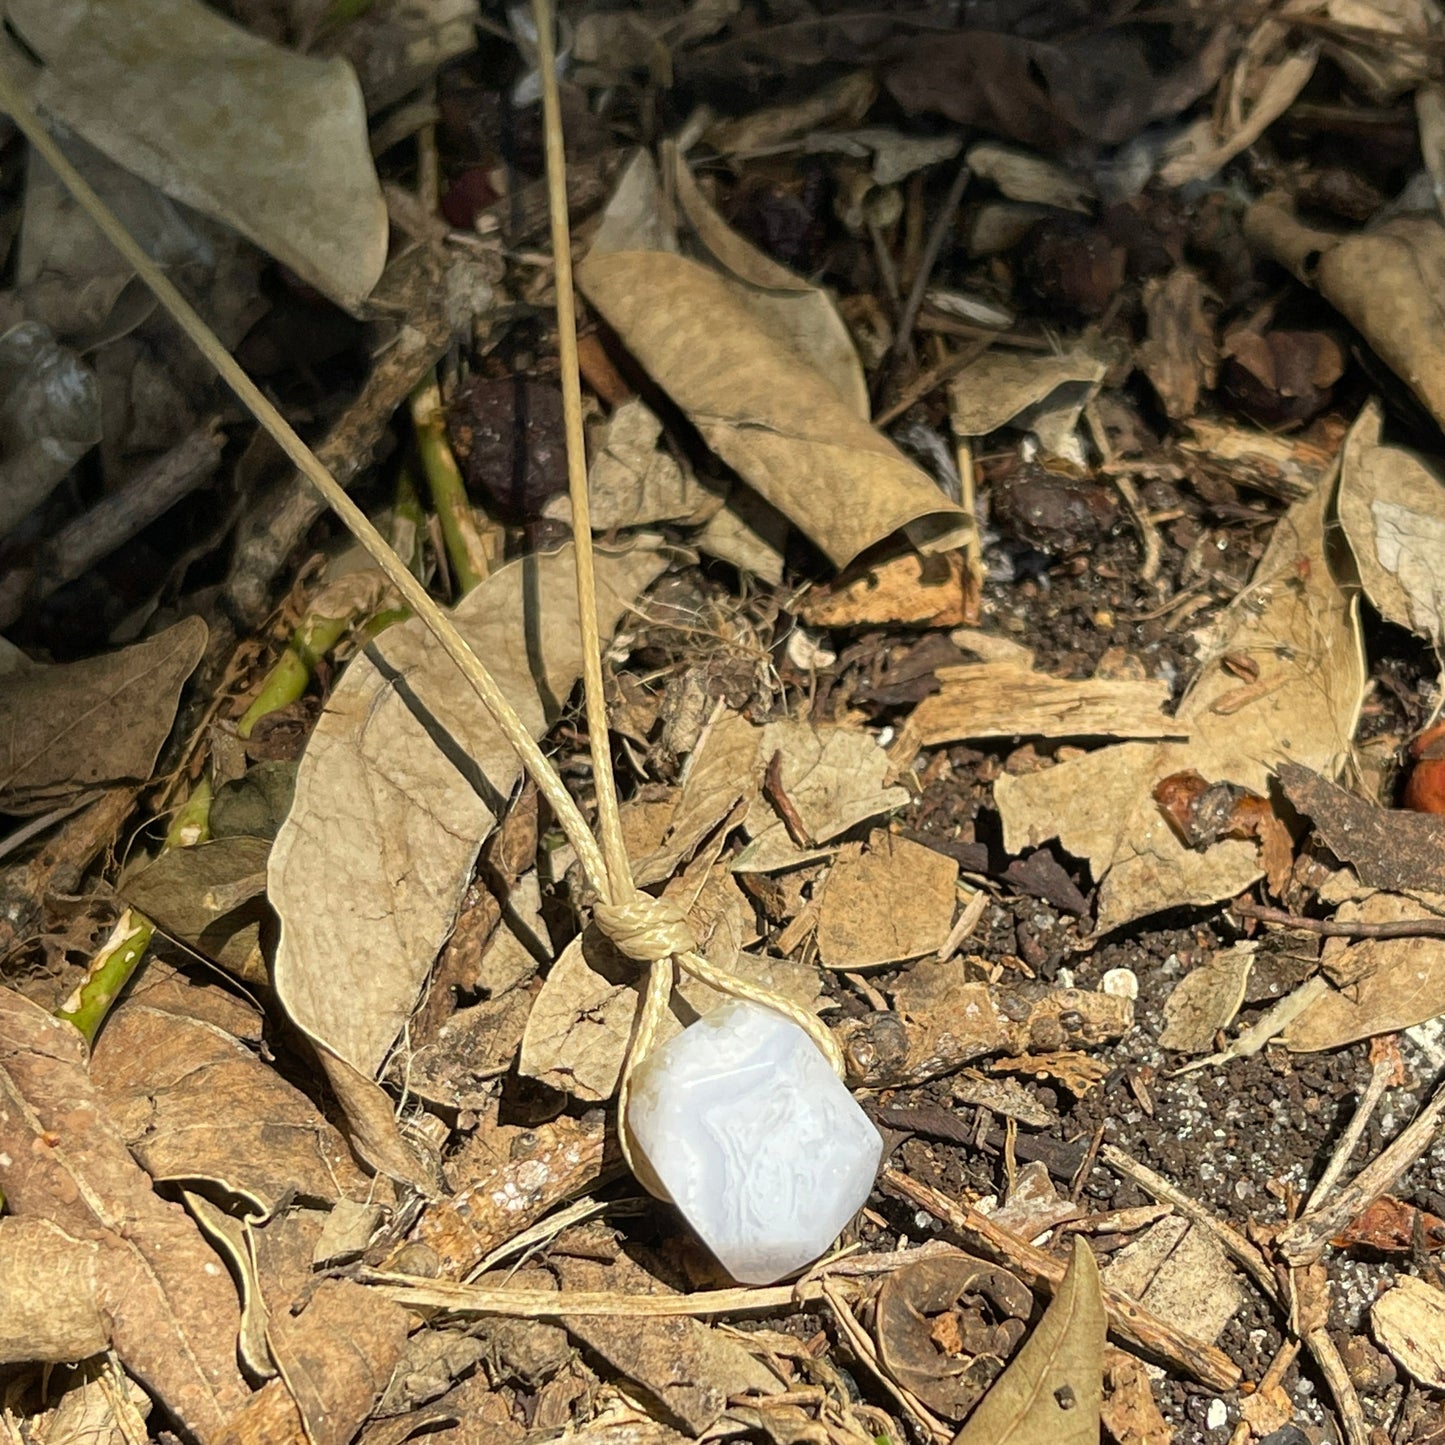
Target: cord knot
{"x": 645, "y": 928}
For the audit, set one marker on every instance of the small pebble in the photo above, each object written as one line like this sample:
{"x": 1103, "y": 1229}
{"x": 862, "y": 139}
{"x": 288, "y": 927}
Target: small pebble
{"x": 1218, "y": 1416}
{"x": 1120, "y": 982}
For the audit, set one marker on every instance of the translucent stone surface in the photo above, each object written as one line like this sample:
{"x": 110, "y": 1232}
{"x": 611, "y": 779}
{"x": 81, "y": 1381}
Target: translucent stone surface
{"x": 758, "y": 1142}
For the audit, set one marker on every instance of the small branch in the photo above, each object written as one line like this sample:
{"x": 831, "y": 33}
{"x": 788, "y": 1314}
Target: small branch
{"x": 931, "y": 248}
{"x": 1380, "y": 1078}
{"x": 1303, "y": 1241}
{"x": 1340, "y": 928}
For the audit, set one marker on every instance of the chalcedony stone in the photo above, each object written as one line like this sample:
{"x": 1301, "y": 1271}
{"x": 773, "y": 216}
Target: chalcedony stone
{"x": 760, "y": 1145}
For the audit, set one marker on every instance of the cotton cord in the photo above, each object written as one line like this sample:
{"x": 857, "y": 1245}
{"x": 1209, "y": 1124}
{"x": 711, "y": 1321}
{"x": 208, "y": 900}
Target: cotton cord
{"x": 646, "y": 929}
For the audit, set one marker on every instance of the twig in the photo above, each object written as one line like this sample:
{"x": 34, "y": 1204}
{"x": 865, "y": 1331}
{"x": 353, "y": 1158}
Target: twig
{"x": 777, "y": 795}
{"x": 1303, "y": 1241}
{"x": 1337, "y": 1378}
{"x": 935, "y": 376}
{"x": 973, "y": 910}
{"x": 903, "y": 339}
{"x": 1148, "y": 532}
{"x": 417, "y": 1292}
{"x": 1339, "y": 927}
{"x": 112, "y": 522}
{"x": 1380, "y": 1077}
{"x": 1234, "y": 1244}
{"x": 1127, "y": 1318}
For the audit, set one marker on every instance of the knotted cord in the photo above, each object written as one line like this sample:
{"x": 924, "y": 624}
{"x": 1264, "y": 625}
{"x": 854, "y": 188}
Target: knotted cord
{"x": 649, "y": 930}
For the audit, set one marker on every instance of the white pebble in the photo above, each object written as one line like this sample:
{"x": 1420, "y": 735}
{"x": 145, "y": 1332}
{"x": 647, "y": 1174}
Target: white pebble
{"x": 1121, "y": 982}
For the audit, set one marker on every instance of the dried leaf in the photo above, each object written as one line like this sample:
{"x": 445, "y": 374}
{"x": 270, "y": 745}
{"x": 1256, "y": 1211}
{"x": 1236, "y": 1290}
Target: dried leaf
{"x": 1382, "y": 984}
{"x": 1206, "y": 1000}
{"x": 371, "y": 864}
{"x": 733, "y": 351}
{"x": 892, "y": 901}
{"x": 1393, "y": 1227}
{"x": 910, "y": 590}
{"x": 947, "y": 1326}
{"x": 1022, "y": 176}
{"x": 580, "y": 1023}
{"x": 337, "y": 1355}
{"x": 1302, "y": 630}
{"x": 1044, "y": 394}
{"x": 271, "y": 142}
{"x": 632, "y": 482}
{"x": 1409, "y": 1322}
{"x": 1179, "y": 356}
{"x": 1202, "y": 155}
{"x": 1097, "y": 87}
{"x": 49, "y": 418}
{"x": 59, "y": 723}
{"x": 1052, "y": 1391}
{"x": 1388, "y": 849}
{"x": 168, "y": 1301}
{"x": 1005, "y": 700}
{"x": 51, "y": 1293}
{"x": 197, "y": 1106}
{"x": 1386, "y": 281}
{"x": 211, "y": 896}
{"x": 1178, "y": 1272}
{"x": 1392, "y": 510}
{"x": 1130, "y": 1415}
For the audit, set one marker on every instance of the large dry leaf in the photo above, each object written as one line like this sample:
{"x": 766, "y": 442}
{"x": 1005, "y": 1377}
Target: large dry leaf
{"x": 50, "y": 1298}
{"x": 337, "y": 1355}
{"x": 1392, "y": 510}
{"x": 196, "y": 1106}
{"x": 93, "y": 724}
{"x": 271, "y": 142}
{"x": 371, "y": 864}
{"x": 1389, "y": 282}
{"x": 167, "y": 1299}
{"x": 1301, "y": 629}
{"x": 1052, "y": 1391}
{"x": 778, "y": 421}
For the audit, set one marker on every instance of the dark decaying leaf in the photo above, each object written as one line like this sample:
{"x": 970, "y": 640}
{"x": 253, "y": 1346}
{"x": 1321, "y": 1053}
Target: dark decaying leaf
{"x": 947, "y": 1326}
{"x": 58, "y": 733}
{"x": 1387, "y": 849}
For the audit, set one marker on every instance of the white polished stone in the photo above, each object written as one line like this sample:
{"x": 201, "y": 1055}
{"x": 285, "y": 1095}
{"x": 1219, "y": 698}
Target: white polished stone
{"x": 758, "y": 1142}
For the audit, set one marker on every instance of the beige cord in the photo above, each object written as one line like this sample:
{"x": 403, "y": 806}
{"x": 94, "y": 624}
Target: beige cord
{"x": 650, "y": 930}
{"x": 647, "y": 929}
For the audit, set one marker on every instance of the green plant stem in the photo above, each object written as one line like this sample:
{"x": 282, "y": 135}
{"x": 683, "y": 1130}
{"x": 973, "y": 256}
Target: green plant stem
{"x": 110, "y": 970}
{"x": 465, "y": 549}
{"x": 291, "y": 674}
{"x": 192, "y": 822}
{"x": 408, "y": 522}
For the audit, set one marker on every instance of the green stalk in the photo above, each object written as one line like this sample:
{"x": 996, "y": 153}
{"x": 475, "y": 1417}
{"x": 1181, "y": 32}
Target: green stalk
{"x": 291, "y": 675}
{"x": 408, "y": 522}
{"x": 109, "y": 972}
{"x": 192, "y": 822}
{"x": 465, "y": 548}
